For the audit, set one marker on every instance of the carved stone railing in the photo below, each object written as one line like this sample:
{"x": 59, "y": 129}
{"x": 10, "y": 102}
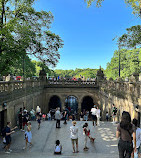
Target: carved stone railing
{"x": 80, "y": 84}
{"x": 15, "y": 89}
{"x": 121, "y": 89}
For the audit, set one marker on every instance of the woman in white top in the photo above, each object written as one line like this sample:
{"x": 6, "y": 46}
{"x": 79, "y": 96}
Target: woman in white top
{"x": 74, "y": 136}
{"x": 38, "y": 110}
{"x": 98, "y": 116}
{"x": 138, "y": 138}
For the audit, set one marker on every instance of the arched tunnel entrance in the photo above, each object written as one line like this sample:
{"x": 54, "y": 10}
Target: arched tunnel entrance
{"x": 54, "y": 102}
{"x": 87, "y": 104}
{"x": 71, "y": 103}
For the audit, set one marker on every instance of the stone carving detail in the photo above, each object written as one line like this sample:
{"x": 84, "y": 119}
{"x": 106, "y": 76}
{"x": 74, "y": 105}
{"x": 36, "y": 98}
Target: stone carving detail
{"x": 100, "y": 74}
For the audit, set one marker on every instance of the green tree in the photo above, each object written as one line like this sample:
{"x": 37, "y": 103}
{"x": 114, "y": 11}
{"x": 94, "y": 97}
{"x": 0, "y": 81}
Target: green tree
{"x": 132, "y": 38}
{"x": 23, "y": 66}
{"x": 135, "y": 4}
{"x": 129, "y": 63}
{"x": 23, "y": 31}
{"x": 78, "y": 73}
{"x": 39, "y": 66}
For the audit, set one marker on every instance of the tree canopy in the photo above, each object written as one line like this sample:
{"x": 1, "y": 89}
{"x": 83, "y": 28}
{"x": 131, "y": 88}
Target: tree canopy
{"x": 23, "y": 30}
{"x": 77, "y": 73}
{"x": 131, "y": 39}
{"x": 135, "y": 4}
{"x": 129, "y": 63}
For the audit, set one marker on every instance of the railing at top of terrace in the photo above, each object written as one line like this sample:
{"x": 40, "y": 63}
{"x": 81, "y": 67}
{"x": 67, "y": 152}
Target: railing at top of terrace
{"x": 17, "y": 85}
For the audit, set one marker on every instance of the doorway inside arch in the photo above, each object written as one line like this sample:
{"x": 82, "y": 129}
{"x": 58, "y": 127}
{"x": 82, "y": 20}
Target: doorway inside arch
{"x": 87, "y": 104}
{"x": 71, "y": 103}
{"x": 54, "y": 102}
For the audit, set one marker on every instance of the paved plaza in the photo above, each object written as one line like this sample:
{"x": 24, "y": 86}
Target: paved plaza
{"x": 105, "y": 145}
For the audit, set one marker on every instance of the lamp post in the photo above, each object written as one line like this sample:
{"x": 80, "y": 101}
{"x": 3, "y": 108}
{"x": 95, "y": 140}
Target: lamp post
{"x": 119, "y": 61}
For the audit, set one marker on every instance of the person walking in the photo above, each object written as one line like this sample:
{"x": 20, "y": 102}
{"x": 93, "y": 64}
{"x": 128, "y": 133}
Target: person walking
{"x": 94, "y": 117}
{"x": 74, "y": 136}
{"x": 81, "y": 116}
{"x": 28, "y": 135}
{"x": 20, "y": 116}
{"x": 107, "y": 116}
{"x": 8, "y": 132}
{"x": 114, "y": 113}
{"x": 49, "y": 116}
{"x": 136, "y": 114}
{"x": 138, "y": 138}
{"x": 38, "y": 110}
{"x": 58, "y": 117}
{"x": 85, "y": 133}
{"x": 65, "y": 116}
{"x": 39, "y": 120}
{"x": 25, "y": 119}
{"x": 98, "y": 116}
{"x": 125, "y": 131}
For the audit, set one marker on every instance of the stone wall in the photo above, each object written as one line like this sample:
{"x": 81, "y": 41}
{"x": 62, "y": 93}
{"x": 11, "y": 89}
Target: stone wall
{"x": 16, "y": 95}
{"x": 125, "y": 95}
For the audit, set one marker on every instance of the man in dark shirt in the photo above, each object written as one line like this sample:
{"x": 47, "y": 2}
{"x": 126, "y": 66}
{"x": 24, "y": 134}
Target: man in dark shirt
{"x": 8, "y": 132}
{"x": 25, "y": 119}
{"x": 114, "y": 113}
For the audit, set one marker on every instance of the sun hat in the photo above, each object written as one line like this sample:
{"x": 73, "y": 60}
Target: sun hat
{"x": 74, "y": 122}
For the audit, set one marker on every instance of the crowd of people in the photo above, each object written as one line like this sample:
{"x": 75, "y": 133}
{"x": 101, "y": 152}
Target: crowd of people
{"x": 128, "y": 132}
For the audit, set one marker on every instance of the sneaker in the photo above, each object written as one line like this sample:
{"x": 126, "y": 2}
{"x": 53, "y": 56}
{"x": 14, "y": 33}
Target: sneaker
{"x": 10, "y": 150}
{"x": 7, "y": 152}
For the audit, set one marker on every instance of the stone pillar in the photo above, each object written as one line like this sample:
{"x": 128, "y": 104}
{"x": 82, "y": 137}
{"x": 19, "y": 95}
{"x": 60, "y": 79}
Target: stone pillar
{"x": 79, "y": 107}
{"x": 42, "y": 75}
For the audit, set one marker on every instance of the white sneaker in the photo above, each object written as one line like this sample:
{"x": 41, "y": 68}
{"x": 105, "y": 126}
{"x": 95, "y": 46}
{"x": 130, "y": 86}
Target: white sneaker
{"x": 10, "y": 150}
{"x": 7, "y": 152}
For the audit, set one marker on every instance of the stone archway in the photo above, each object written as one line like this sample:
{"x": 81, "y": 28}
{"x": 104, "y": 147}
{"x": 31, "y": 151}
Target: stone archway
{"x": 55, "y": 102}
{"x": 87, "y": 103}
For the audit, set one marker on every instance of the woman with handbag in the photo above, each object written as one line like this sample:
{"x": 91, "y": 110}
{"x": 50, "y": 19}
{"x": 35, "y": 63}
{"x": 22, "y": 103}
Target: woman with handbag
{"x": 125, "y": 131}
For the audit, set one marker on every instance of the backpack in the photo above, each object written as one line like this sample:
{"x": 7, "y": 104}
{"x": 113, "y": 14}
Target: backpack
{"x": 115, "y": 110}
{"x": 3, "y": 133}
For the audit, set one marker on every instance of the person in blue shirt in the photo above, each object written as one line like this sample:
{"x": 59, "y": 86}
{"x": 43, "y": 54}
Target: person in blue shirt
{"x": 8, "y": 132}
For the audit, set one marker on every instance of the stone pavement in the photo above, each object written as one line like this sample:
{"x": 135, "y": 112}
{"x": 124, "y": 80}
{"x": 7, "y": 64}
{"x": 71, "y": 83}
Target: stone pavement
{"x": 105, "y": 145}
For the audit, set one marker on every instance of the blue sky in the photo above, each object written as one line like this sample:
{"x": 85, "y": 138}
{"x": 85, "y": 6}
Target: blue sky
{"x": 88, "y": 32}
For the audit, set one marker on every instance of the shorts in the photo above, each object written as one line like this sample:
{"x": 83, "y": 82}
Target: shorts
{"x": 57, "y": 153}
{"x": 94, "y": 117}
{"x": 39, "y": 121}
{"x": 8, "y": 140}
{"x": 24, "y": 123}
{"x": 74, "y": 141}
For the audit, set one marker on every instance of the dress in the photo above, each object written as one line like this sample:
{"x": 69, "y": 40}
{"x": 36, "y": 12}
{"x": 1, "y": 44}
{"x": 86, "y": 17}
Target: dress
{"x": 28, "y": 135}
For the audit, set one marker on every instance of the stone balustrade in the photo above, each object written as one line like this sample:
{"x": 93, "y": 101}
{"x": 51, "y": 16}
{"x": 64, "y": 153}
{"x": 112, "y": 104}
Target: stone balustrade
{"x": 64, "y": 83}
{"x": 18, "y": 85}
{"x": 121, "y": 88}
{"x": 15, "y": 89}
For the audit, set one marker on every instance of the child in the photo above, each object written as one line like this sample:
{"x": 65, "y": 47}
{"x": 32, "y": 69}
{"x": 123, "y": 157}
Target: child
{"x": 86, "y": 133}
{"x": 107, "y": 116}
{"x": 44, "y": 117}
{"x": 58, "y": 148}
{"x": 49, "y": 116}
{"x": 28, "y": 135}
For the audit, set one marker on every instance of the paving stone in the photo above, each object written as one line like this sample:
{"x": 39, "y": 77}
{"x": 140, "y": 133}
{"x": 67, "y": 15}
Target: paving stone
{"x": 105, "y": 145}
